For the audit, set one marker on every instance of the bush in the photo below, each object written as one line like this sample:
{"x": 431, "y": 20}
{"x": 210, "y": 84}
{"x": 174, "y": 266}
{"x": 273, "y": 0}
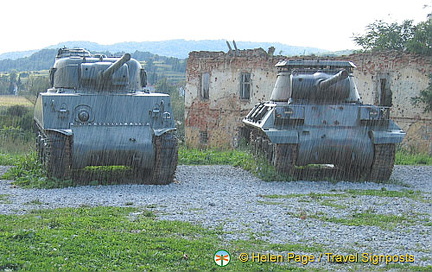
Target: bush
{"x": 17, "y": 110}
{"x": 17, "y": 116}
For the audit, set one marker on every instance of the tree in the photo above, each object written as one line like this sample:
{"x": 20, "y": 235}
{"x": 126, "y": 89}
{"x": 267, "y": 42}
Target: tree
{"x": 421, "y": 41}
{"x": 402, "y": 37}
{"x": 425, "y": 97}
{"x": 406, "y": 36}
{"x": 12, "y": 82}
{"x": 163, "y": 86}
{"x": 384, "y": 36}
{"x": 35, "y": 85}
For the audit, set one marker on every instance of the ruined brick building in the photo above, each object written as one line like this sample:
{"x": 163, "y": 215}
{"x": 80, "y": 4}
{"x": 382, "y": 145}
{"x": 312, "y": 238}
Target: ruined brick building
{"x": 222, "y": 87}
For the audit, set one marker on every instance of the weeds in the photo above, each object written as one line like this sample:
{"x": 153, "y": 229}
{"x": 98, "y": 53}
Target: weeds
{"x": 4, "y": 199}
{"x": 384, "y": 221}
{"x": 213, "y": 157}
{"x": 28, "y": 173}
{"x": 385, "y": 193}
{"x": 242, "y": 158}
{"x": 9, "y": 159}
{"x": 406, "y": 158}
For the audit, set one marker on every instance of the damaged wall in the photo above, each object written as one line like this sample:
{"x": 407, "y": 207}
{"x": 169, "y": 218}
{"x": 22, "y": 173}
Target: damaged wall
{"x": 215, "y": 83}
{"x": 215, "y": 120}
{"x": 393, "y": 78}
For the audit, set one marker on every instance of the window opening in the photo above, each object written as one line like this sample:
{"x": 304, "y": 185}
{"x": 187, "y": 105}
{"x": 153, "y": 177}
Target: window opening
{"x": 245, "y": 86}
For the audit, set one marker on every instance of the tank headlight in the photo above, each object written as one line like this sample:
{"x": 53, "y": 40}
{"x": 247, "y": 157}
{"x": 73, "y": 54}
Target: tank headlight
{"x": 166, "y": 115}
{"x": 289, "y": 111}
{"x": 83, "y": 116}
{"x": 373, "y": 113}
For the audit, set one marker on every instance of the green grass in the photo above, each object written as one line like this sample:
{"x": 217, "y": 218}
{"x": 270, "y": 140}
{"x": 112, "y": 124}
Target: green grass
{"x": 10, "y": 149}
{"x": 118, "y": 239}
{"x": 352, "y": 193}
{"x": 29, "y": 173}
{"x": 4, "y": 199}
{"x": 213, "y": 157}
{"x": 407, "y": 158}
{"x": 311, "y": 195}
{"x": 242, "y": 158}
{"x": 384, "y": 221}
{"x": 133, "y": 239}
{"x": 416, "y": 195}
{"x": 9, "y": 159}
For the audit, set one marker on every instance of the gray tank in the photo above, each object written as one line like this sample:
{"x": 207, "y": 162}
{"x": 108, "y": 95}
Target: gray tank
{"x": 98, "y": 113}
{"x": 315, "y": 116}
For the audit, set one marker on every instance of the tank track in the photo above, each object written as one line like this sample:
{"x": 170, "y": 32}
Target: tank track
{"x": 166, "y": 157}
{"x": 383, "y": 162}
{"x": 285, "y": 156}
{"x": 282, "y": 156}
{"x": 54, "y": 152}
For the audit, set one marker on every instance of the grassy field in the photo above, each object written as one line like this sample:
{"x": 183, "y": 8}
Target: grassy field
{"x": 133, "y": 239}
{"x": 12, "y": 100}
{"x": 14, "y": 140}
{"x": 118, "y": 239}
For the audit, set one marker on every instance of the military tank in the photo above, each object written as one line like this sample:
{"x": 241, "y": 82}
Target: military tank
{"x": 315, "y": 116}
{"x": 97, "y": 112}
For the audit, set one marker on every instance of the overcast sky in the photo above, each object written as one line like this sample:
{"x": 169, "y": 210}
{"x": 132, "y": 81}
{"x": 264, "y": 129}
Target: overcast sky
{"x": 326, "y": 24}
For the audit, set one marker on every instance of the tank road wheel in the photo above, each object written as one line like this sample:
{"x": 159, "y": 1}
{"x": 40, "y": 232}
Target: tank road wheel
{"x": 382, "y": 165}
{"x": 166, "y": 157}
{"x": 284, "y": 158}
{"x": 40, "y": 147}
{"x": 255, "y": 139}
{"x": 57, "y": 155}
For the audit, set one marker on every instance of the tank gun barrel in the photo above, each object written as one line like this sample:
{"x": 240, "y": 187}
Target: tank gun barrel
{"x": 115, "y": 66}
{"x": 324, "y": 84}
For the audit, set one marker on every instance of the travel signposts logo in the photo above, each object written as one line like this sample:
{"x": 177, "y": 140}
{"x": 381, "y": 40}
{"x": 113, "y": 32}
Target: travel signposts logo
{"x": 222, "y": 257}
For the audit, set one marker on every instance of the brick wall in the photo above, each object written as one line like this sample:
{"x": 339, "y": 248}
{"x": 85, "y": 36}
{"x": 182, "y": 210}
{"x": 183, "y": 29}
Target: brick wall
{"x": 219, "y": 117}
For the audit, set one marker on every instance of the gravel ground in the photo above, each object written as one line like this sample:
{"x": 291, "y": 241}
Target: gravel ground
{"x": 234, "y": 200}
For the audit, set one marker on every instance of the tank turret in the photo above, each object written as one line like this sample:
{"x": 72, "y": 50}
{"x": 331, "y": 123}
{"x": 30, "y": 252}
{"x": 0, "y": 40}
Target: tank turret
{"x": 77, "y": 69}
{"x": 315, "y": 116}
{"x": 97, "y": 112}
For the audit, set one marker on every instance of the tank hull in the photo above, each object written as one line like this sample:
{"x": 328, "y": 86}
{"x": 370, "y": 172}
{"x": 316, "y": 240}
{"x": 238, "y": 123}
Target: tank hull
{"x": 118, "y": 129}
{"x": 343, "y": 135}
{"x": 128, "y": 145}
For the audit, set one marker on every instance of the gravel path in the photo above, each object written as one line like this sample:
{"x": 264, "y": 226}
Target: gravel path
{"x": 227, "y": 197}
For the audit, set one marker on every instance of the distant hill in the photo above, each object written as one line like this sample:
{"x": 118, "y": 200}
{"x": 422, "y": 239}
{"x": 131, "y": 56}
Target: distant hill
{"x": 173, "y": 48}
{"x": 39, "y": 60}
{"x": 17, "y": 55}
